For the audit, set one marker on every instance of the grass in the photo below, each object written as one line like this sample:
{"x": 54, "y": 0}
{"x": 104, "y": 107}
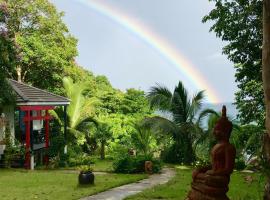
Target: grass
{"x": 55, "y": 184}
{"x": 178, "y": 187}
{"x": 102, "y": 165}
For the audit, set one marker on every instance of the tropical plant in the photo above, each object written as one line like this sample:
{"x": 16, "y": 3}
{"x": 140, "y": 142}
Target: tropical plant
{"x": 103, "y": 135}
{"x": 80, "y": 112}
{"x": 143, "y": 140}
{"x": 181, "y": 125}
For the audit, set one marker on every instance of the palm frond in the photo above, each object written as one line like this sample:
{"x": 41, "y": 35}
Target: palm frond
{"x": 205, "y": 113}
{"x": 196, "y": 104}
{"x": 57, "y": 114}
{"x": 161, "y": 125}
{"x": 160, "y": 97}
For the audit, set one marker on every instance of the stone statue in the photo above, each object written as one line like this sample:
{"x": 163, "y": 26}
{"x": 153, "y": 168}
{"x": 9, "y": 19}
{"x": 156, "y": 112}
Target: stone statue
{"x": 211, "y": 183}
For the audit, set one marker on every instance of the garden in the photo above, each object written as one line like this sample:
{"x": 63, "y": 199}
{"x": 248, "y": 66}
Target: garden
{"x": 122, "y": 137}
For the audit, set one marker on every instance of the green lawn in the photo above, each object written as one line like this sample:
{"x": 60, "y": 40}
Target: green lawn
{"x": 54, "y": 184}
{"x": 177, "y": 188}
{"x": 102, "y": 165}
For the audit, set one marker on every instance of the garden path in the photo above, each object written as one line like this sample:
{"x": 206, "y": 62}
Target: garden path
{"x": 123, "y": 191}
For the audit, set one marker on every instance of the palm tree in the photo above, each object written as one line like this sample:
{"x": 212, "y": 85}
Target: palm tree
{"x": 80, "y": 112}
{"x": 181, "y": 124}
{"x": 142, "y": 138}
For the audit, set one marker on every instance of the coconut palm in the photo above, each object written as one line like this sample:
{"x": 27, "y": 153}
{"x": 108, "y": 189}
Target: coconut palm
{"x": 80, "y": 112}
{"x": 181, "y": 123}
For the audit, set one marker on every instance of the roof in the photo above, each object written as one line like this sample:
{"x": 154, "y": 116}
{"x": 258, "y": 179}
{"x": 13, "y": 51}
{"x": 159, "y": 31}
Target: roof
{"x": 29, "y": 95}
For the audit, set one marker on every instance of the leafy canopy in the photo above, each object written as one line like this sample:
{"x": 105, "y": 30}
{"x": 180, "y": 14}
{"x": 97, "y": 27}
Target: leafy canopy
{"x": 239, "y": 24}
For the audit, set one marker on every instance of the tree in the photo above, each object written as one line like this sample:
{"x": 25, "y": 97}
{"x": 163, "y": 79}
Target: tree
{"x": 103, "y": 135}
{"x": 182, "y": 111}
{"x": 8, "y": 58}
{"x": 80, "y": 112}
{"x": 43, "y": 42}
{"x": 239, "y": 24}
{"x": 266, "y": 86}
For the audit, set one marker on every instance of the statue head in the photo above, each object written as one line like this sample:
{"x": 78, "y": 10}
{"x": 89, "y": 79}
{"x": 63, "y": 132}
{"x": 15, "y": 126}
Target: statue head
{"x": 223, "y": 127}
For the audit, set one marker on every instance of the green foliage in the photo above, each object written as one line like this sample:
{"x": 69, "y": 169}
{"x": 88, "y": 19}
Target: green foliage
{"x": 247, "y": 139}
{"x": 12, "y": 150}
{"x": 239, "y": 24}
{"x": 7, "y": 96}
{"x": 56, "y": 151}
{"x": 143, "y": 140}
{"x": 134, "y": 164}
{"x": 103, "y": 135}
{"x": 44, "y": 45}
{"x": 182, "y": 127}
{"x": 85, "y": 168}
{"x": 80, "y": 111}
{"x": 240, "y": 164}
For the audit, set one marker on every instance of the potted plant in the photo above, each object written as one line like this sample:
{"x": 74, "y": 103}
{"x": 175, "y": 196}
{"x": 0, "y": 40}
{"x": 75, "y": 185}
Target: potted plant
{"x": 86, "y": 175}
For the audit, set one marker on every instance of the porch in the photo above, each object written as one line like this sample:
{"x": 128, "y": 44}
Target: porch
{"x": 29, "y": 121}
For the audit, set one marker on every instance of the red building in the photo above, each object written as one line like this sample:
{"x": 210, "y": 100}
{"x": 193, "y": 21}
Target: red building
{"x": 32, "y": 110}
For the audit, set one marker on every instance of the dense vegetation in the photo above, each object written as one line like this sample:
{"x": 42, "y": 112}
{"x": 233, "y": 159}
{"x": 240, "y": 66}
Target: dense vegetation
{"x": 37, "y": 48}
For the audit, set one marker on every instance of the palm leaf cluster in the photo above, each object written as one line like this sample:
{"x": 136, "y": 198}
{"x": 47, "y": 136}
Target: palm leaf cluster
{"x": 80, "y": 112}
{"x": 181, "y": 124}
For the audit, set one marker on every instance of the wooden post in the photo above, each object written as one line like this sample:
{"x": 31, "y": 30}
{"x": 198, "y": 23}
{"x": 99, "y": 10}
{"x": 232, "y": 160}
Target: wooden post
{"x": 47, "y": 130}
{"x": 65, "y": 129}
{"x": 27, "y": 140}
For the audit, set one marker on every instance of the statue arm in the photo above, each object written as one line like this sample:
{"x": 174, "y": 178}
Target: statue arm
{"x": 229, "y": 163}
{"x": 200, "y": 170}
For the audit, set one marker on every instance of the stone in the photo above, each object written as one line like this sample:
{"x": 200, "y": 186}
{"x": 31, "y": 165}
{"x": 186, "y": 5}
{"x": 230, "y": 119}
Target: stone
{"x": 148, "y": 166}
{"x": 211, "y": 182}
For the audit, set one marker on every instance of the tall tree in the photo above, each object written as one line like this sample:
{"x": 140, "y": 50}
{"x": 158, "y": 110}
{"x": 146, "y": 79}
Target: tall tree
{"x": 43, "y": 40}
{"x": 266, "y": 85}
{"x": 239, "y": 24}
{"x": 8, "y": 57}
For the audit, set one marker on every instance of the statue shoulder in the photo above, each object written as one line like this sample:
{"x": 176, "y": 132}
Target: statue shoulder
{"x": 231, "y": 148}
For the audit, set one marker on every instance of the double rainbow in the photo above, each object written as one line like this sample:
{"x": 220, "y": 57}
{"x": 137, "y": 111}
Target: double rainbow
{"x": 155, "y": 41}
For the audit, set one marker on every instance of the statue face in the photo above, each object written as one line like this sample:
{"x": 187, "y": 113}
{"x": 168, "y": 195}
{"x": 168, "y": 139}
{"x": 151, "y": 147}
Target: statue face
{"x": 219, "y": 135}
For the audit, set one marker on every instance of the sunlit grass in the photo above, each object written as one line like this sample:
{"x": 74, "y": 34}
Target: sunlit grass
{"x": 178, "y": 187}
{"x": 55, "y": 184}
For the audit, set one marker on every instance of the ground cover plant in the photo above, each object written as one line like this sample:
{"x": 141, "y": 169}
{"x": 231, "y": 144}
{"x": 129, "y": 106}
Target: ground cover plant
{"x": 243, "y": 186}
{"x": 55, "y": 184}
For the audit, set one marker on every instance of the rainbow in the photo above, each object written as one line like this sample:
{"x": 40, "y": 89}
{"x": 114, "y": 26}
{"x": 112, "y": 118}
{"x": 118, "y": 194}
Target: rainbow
{"x": 155, "y": 41}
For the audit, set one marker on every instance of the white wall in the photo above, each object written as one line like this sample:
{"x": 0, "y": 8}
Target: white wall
{"x": 9, "y": 116}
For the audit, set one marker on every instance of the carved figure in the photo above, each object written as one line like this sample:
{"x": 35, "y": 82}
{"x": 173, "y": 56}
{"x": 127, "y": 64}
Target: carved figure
{"x": 148, "y": 166}
{"x": 211, "y": 183}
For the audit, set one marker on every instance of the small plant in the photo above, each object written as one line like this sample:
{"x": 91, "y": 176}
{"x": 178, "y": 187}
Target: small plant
{"x": 86, "y": 176}
{"x": 85, "y": 168}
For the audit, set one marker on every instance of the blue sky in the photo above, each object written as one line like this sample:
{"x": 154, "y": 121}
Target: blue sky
{"x": 106, "y": 48}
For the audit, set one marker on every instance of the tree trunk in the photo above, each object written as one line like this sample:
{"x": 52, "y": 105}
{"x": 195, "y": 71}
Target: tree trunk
{"x": 266, "y": 83}
{"x": 19, "y": 73}
{"x": 266, "y": 149}
{"x": 102, "y": 151}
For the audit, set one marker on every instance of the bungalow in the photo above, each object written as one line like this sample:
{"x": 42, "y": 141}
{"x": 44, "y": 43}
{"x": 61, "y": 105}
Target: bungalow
{"x": 32, "y": 119}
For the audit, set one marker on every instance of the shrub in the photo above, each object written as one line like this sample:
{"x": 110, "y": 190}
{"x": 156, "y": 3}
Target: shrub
{"x": 173, "y": 154}
{"x": 239, "y": 164}
{"x": 131, "y": 164}
{"x": 80, "y": 160}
